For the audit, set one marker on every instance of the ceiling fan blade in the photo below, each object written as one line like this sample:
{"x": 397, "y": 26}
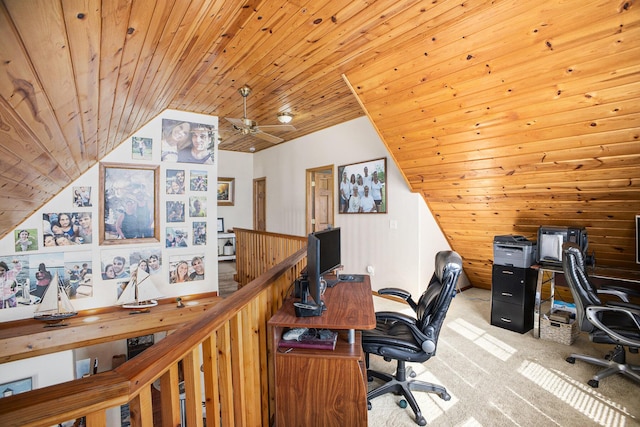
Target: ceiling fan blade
{"x": 237, "y": 122}
{"x": 282, "y": 128}
{"x": 267, "y": 137}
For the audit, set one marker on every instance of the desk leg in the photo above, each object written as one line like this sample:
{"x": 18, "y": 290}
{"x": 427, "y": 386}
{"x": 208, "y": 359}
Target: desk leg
{"x": 538, "y": 302}
{"x": 351, "y": 336}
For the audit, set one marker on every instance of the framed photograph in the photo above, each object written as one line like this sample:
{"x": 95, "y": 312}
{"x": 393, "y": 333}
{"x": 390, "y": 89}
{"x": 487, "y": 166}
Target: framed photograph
{"x": 175, "y": 181}
{"x": 26, "y": 239}
{"x": 226, "y": 189}
{"x": 199, "y": 233}
{"x": 187, "y": 142}
{"x": 362, "y": 187}
{"x": 197, "y": 206}
{"x": 220, "y": 225}
{"x": 141, "y": 148}
{"x": 130, "y": 203}
{"x": 82, "y": 197}
{"x": 199, "y": 180}
{"x": 16, "y": 387}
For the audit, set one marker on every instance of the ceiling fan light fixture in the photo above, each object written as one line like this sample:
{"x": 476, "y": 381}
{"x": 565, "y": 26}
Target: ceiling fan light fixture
{"x": 285, "y": 117}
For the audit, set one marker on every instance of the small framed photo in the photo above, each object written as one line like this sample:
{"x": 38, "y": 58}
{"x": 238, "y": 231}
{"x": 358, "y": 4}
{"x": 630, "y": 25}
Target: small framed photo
{"x": 362, "y": 187}
{"x": 220, "y": 225}
{"x": 226, "y": 189}
{"x": 16, "y": 387}
{"x": 199, "y": 181}
{"x": 82, "y": 197}
{"x": 141, "y": 148}
{"x": 130, "y": 203}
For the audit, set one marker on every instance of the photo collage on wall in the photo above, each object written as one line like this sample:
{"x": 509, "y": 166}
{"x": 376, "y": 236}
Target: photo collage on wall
{"x": 27, "y": 277}
{"x": 186, "y": 210}
{"x": 41, "y": 253}
{"x": 186, "y": 201}
{"x": 62, "y": 242}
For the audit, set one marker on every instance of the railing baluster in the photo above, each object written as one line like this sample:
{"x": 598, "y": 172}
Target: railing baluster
{"x": 236, "y": 351}
{"x": 170, "y": 397}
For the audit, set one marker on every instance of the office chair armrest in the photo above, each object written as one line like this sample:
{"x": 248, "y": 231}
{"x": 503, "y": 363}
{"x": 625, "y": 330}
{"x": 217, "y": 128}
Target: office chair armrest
{"x": 622, "y": 295}
{"x": 623, "y": 304}
{"x": 592, "y": 313}
{"x": 396, "y": 317}
{"x": 400, "y": 293}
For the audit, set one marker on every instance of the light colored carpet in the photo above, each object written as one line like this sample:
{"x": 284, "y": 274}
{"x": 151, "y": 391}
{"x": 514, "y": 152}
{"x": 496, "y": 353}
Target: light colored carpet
{"x": 501, "y": 378}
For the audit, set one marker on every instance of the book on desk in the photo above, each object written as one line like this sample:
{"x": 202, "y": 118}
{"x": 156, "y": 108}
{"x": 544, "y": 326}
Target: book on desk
{"x": 321, "y": 341}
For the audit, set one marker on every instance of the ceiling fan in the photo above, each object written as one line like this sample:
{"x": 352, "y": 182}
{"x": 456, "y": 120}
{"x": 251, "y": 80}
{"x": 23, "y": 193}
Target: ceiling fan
{"x": 249, "y": 127}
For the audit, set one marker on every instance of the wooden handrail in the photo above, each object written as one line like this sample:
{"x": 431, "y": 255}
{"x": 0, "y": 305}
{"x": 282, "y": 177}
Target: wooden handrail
{"x": 237, "y": 382}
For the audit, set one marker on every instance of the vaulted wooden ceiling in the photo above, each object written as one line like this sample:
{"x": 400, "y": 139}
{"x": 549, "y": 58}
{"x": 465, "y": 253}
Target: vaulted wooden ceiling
{"x": 504, "y": 115}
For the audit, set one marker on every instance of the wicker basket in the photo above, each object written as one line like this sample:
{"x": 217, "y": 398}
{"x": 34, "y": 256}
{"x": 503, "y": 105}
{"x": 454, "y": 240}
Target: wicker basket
{"x": 564, "y": 333}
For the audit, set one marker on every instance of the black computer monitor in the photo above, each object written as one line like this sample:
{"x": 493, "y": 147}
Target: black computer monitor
{"x": 329, "y": 249}
{"x": 323, "y": 256}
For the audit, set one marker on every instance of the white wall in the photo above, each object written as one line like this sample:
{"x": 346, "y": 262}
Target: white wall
{"x": 402, "y": 256}
{"x": 239, "y": 166}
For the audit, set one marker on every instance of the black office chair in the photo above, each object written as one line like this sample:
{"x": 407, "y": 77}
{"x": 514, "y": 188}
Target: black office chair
{"x": 408, "y": 339}
{"x": 611, "y": 323}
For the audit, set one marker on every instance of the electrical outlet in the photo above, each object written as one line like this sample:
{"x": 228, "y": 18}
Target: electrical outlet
{"x": 370, "y": 269}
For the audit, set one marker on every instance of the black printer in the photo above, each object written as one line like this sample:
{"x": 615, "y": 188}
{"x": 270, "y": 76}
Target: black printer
{"x": 513, "y": 251}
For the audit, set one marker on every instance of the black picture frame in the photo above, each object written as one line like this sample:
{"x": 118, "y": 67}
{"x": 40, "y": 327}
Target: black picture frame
{"x": 220, "y": 225}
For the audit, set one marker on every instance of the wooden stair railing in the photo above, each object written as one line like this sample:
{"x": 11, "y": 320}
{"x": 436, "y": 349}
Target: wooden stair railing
{"x": 258, "y": 251}
{"x": 238, "y": 383}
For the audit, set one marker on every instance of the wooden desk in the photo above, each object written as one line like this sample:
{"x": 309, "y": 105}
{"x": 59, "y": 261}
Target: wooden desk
{"x": 323, "y": 387}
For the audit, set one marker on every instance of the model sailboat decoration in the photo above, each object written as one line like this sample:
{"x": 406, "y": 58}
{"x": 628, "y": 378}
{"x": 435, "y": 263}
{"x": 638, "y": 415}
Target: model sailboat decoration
{"x": 55, "y": 305}
{"x": 140, "y": 292}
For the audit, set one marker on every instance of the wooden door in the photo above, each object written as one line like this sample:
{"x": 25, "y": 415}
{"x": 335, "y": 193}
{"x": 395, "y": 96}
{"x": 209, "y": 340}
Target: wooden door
{"x": 260, "y": 204}
{"x": 320, "y": 198}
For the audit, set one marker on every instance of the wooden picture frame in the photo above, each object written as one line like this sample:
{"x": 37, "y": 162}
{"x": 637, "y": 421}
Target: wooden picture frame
{"x": 363, "y": 174}
{"x": 126, "y": 192}
{"x": 226, "y": 190}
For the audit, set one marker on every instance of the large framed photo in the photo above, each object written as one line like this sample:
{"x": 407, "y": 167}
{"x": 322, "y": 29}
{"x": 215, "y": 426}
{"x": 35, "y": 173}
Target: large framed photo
{"x": 129, "y": 203}
{"x": 226, "y": 189}
{"x": 362, "y": 187}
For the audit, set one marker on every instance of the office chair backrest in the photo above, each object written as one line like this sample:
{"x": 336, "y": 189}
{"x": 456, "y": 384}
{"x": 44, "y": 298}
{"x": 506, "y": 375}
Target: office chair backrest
{"x": 433, "y": 304}
{"x": 583, "y": 292}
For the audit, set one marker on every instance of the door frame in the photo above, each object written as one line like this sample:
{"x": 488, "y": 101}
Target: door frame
{"x": 310, "y": 193}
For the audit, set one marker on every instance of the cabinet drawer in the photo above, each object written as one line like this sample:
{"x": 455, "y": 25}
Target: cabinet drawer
{"x": 508, "y": 285}
{"x": 513, "y": 317}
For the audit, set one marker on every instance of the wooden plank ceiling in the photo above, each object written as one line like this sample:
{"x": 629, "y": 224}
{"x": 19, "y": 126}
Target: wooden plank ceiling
{"x": 504, "y": 115}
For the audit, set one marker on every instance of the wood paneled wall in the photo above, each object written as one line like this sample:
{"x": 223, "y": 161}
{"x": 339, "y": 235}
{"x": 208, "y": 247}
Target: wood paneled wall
{"x": 505, "y": 121}
{"x": 503, "y": 114}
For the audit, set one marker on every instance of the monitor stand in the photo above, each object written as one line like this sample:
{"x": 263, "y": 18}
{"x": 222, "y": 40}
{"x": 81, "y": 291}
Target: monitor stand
{"x": 332, "y": 283}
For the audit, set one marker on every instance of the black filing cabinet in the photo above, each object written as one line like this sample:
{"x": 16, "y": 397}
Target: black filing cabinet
{"x": 512, "y": 297}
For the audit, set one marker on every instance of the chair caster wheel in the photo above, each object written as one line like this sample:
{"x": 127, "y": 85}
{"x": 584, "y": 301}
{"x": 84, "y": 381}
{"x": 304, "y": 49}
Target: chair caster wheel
{"x": 368, "y": 406}
{"x": 412, "y": 374}
{"x": 445, "y": 396}
{"x": 571, "y": 360}
{"x": 593, "y": 383}
{"x": 369, "y": 378}
{"x": 421, "y": 421}
{"x": 402, "y": 404}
